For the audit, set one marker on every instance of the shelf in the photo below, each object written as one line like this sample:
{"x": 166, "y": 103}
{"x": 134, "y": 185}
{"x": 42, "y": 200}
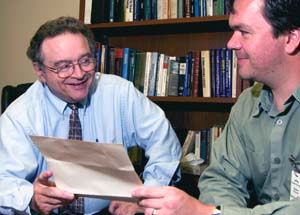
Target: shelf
{"x": 182, "y": 99}
{"x": 164, "y": 26}
{"x": 178, "y": 103}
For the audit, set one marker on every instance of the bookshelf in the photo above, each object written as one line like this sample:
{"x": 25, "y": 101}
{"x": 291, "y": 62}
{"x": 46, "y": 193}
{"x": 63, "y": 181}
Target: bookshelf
{"x": 174, "y": 37}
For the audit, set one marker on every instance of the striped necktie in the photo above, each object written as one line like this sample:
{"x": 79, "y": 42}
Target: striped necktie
{"x": 75, "y": 132}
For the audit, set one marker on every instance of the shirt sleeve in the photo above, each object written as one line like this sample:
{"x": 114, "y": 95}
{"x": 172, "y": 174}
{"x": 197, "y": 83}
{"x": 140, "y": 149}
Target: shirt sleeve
{"x": 18, "y": 167}
{"x": 148, "y": 127}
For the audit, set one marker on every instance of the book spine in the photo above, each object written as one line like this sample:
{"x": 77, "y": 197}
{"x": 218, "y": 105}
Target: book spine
{"x": 153, "y": 74}
{"x": 182, "y": 71}
{"x": 173, "y": 77}
{"x": 111, "y": 10}
{"x": 195, "y": 83}
{"x": 87, "y": 11}
{"x": 132, "y": 62}
{"x": 205, "y": 65}
{"x": 213, "y": 72}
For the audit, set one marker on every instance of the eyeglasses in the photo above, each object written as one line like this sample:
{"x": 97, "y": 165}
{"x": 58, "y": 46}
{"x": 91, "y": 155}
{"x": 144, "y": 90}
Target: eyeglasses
{"x": 66, "y": 69}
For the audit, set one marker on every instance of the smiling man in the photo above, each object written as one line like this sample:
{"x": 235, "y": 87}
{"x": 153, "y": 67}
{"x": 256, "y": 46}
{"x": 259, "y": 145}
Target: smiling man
{"x": 106, "y": 110}
{"x": 254, "y": 166}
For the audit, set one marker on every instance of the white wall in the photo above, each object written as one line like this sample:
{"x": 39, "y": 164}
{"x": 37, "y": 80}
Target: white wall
{"x": 19, "y": 20}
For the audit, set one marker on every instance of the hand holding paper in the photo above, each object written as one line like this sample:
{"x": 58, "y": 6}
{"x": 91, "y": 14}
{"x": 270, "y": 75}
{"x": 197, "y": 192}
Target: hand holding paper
{"x": 90, "y": 169}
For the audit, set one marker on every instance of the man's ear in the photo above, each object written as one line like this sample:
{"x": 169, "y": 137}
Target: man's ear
{"x": 39, "y": 72}
{"x": 293, "y": 41}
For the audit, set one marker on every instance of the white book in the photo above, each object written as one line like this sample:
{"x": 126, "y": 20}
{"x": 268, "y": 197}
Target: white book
{"x": 197, "y": 145}
{"x": 234, "y": 74}
{"x": 205, "y": 68}
{"x": 128, "y": 4}
{"x": 174, "y": 8}
{"x": 209, "y": 8}
{"x": 160, "y": 74}
{"x": 87, "y": 11}
{"x": 164, "y": 87}
{"x": 147, "y": 73}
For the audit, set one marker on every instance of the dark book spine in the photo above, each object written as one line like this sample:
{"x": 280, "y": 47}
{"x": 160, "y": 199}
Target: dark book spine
{"x": 100, "y": 11}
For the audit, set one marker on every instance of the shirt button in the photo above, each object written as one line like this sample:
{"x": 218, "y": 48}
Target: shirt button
{"x": 277, "y": 160}
{"x": 279, "y": 122}
{"x": 276, "y": 197}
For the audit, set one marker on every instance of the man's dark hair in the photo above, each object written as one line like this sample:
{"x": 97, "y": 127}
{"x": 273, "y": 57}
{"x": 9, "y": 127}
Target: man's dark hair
{"x": 283, "y": 15}
{"x": 56, "y": 27}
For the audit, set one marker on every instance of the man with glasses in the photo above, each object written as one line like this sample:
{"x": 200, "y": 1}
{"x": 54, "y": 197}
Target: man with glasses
{"x": 110, "y": 110}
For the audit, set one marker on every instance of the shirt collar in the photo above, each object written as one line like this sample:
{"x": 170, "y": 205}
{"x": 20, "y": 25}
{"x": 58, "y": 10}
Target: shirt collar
{"x": 265, "y": 101}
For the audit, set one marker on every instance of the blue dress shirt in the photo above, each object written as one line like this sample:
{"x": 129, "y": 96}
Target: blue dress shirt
{"x": 114, "y": 112}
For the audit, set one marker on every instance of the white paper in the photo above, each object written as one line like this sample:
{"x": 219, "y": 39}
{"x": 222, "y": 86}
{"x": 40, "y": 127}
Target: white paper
{"x": 90, "y": 169}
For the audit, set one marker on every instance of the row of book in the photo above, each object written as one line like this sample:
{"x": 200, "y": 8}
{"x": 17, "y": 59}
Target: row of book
{"x": 206, "y": 73}
{"x": 197, "y": 148}
{"x": 101, "y": 11}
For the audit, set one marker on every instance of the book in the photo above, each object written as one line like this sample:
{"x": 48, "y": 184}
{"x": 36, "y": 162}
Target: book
{"x": 188, "y": 145}
{"x": 132, "y": 62}
{"x": 180, "y": 8}
{"x": 213, "y": 72}
{"x": 205, "y": 68}
{"x": 173, "y": 77}
{"x": 111, "y": 15}
{"x": 187, "y": 78}
{"x": 228, "y": 73}
{"x": 147, "y": 9}
{"x": 173, "y": 9}
{"x": 235, "y": 79}
{"x": 125, "y": 63}
{"x": 196, "y": 65}
{"x": 147, "y": 73}
{"x": 182, "y": 71}
{"x": 160, "y": 70}
{"x": 153, "y": 73}
{"x": 165, "y": 77}
{"x": 197, "y": 145}
{"x": 128, "y": 10}
{"x": 140, "y": 71}
{"x": 87, "y": 11}
{"x": 100, "y": 11}
{"x": 98, "y": 56}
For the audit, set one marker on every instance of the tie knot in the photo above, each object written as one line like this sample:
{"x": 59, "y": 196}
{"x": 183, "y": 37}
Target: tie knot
{"x": 74, "y": 107}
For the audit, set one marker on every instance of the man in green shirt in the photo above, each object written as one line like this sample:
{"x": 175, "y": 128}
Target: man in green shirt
{"x": 255, "y": 163}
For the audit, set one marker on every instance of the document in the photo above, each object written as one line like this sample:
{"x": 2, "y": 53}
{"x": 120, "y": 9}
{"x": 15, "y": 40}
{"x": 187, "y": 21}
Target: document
{"x": 90, "y": 169}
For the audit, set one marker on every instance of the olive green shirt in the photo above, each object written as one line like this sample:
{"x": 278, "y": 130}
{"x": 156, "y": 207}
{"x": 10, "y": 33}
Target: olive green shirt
{"x": 251, "y": 156}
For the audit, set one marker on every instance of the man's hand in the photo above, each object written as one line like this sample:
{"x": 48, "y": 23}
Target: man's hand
{"x": 124, "y": 208}
{"x": 46, "y": 197}
{"x": 169, "y": 201}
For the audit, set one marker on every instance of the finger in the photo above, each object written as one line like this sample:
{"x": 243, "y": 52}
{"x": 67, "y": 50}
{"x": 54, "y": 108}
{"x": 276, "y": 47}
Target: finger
{"x": 44, "y": 178}
{"x": 113, "y": 206}
{"x": 151, "y": 203}
{"x": 149, "y": 192}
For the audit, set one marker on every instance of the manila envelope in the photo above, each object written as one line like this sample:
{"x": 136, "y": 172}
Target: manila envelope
{"x": 90, "y": 169}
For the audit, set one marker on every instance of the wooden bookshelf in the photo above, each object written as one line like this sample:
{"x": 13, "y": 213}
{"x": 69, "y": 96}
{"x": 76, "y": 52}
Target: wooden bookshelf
{"x": 175, "y": 37}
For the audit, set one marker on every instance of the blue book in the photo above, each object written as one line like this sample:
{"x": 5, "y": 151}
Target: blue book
{"x": 154, "y": 9}
{"x": 204, "y": 143}
{"x": 136, "y": 10}
{"x": 222, "y": 72}
{"x": 125, "y": 63}
{"x": 187, "y": 79}
{"x": 196, "y": 8}
{"x": 228, "y": 73}
{"x": 217, "y": 73}
{"x": 132, "y": 62}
